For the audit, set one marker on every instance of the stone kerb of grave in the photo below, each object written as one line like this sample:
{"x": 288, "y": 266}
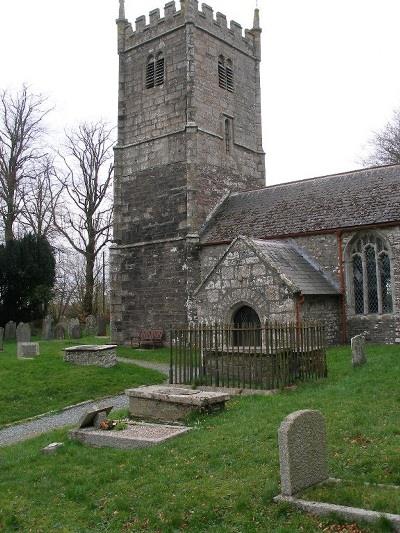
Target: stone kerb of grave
{"x": 171, "y": 404}
{"x": 136, "y": 435}
{"x": 23, "y": 332}
{"x": 10, "y": 331}
{"x": 358, "y": 350}
{"x": 27, "y": 350}
{"x": 96, "y": 355}
{"x": 302, "y": 451}
{"x": 91, "y": 325}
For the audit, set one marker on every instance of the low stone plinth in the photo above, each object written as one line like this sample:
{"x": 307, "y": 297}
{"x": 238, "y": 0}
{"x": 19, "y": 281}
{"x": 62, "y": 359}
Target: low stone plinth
{"x": 171, "y": 404}
{"x": 27, "y": 350}
{"x": 135, "y": 436}
{"x": 97, "y": 355}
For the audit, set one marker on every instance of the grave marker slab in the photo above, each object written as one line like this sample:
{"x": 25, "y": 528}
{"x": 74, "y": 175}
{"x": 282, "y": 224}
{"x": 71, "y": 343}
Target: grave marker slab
{"x": 48, "y": 328}
{"x": 10, "y": 331}
{"x": 1, "y": 339}
{"x": 91, "y": 325}
{"x": 71, "y": 324}
{"x": 358, "y": 350}
{"x": 302, "y": 451}
{"x": 28, "y": 350}
{"x": 101, "y": 326}
{"x": 76, "y": 332}
{"x": 88, "y": 419}
{"x": 59, "y": 332}
{"x": 23, "y": 332}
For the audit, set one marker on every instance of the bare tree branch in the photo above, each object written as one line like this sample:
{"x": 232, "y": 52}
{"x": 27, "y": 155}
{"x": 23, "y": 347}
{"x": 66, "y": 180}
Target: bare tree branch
{"x": 385, "y": 144}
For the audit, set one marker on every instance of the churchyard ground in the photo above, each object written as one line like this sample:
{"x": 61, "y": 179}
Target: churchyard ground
{"x": 32, "y": 387}
{"x": 220, "y": 477}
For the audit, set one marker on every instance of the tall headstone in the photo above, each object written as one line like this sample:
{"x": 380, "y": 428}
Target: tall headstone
{"x": 76, "y": 332}
{"x": 1, "y": 338}
{"x": 23, "y": 332}
{"x": 101, "y": 326}
{"x": 10, "y": 331}
{"x": 302, "y": 451}
{"x": 48, "y": 328}
{"x": 59, "y": 332}
{"x": 358, "y": 350}
{"x": 91, "y": 325}
{"x": 72, "y": 322}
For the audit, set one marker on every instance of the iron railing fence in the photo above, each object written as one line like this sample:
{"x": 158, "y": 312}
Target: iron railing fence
{"x": 266, "y": 357}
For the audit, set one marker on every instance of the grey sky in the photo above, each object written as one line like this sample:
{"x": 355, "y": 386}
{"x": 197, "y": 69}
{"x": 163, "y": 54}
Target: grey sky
{"x": 330, "y": 70}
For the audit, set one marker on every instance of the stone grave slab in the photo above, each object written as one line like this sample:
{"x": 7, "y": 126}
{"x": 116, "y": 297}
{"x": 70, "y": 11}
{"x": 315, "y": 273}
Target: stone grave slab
{"x": 76, "y": 332}
{"x": 137, "y": 435}
{"x": 10, "y": 331}
{"x": 48, "y": 328}
{"x": 302, "y": 451}
{"x": 23, "y": 332}
{"x": 101, "y": 326}
{"x": 71, "y": 324}
{"x": 28, "y": 350}
{"x": 59, "y": 332}
{"x": 358, "y": 351}
{"x": 91, "y": 325}
{"x": 88, "y": 419}
{"x": 104, "y": 356}
{"x": 1, "y": 339}
{"x": 171, "y": 404}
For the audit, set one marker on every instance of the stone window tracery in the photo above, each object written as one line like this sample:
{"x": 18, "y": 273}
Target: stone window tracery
{"x": 371, "y": 276}
{"x": 155, "y": 70}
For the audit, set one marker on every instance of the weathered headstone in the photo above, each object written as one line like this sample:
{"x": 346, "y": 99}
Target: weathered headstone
{"x": 23, "y": 332}
{"x": 101, "y": 326}
{"x": 59, "y": 332}
{"x": 358, "y": 350}
{"x": 1, "y": 338}
{"x": 10, "y": 331}
{"x": 48, "y": 328}
{"x": 76, "y": 332}
{"x": 27, "y": 350}
{"x": 302, "y": 451}
{"x": 71, "y": 324}
{"x": 88, "y": 419}
{"x": 91, "y": 325}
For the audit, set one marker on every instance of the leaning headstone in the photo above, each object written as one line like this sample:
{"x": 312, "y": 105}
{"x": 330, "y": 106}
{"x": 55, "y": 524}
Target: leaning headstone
{"x": 1, "y": 338}
{"x": 76, "y": 332}
{"x": 91, "y": 325}
{"x": 101, "y": 326}
{"x": 89, "y": 418}
{"x": 23, "y": 332}
{"x": 48, "y": 328}
{"x": 10, "y": 331}
{"x": 59, "y": 332}
{"x": 72, "y": 322}
{"x": 27, "y": 350}
{"x": 358, "y": 350}
{"x": 302, "y": 451}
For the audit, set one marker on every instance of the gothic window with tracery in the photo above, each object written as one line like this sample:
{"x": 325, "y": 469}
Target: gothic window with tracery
{"x": 371, "y": 275}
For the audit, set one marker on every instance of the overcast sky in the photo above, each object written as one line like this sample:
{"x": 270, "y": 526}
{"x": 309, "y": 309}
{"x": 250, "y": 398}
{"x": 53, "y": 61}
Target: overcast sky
{"x": 330, "y": 70}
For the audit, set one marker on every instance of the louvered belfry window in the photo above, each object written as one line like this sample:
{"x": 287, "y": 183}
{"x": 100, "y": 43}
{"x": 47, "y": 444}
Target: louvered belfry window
{"x": 225, "y": 73}
{"x": 371, "y": 274}
{"x": 155, "y": 71}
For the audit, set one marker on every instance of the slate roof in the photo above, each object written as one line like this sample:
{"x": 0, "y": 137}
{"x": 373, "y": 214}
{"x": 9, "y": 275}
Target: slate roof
{"x": 358, "y": 198}
{"x": 289, "y": 262}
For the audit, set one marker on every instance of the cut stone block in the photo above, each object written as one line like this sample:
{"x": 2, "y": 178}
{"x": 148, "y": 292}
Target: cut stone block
{"x": 52, "y": 448}
{"x": 171, "y": 404}
{"x": 28, "y": 350}
{"x": 302, "y": 451}
{"x": 89, "y": 418}
{"x": 104, "y": 356}
{"x": 135, "y": 436}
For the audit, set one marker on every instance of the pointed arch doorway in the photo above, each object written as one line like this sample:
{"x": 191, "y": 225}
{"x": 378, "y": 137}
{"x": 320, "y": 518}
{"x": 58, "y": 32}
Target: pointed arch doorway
{"x": 247, "y": 327}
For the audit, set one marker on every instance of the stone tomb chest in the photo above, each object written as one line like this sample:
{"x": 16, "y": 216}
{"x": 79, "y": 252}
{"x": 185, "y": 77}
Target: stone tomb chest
{"x": 170, "y": 404}
{"x": 97, "y": 355}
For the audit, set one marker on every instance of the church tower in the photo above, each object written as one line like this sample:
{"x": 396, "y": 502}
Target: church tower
{"x": 189, "y": 131}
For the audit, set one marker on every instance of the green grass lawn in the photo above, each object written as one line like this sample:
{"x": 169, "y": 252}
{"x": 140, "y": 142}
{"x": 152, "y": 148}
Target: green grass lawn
{"x": 219, "y": 478}
{"x": 32, "y": 387}
{"x": 157, "y": 355}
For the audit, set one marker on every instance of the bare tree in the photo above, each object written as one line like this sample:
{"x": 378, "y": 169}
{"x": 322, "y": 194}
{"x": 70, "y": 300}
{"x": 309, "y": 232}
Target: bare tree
{"x": 385, "y": 144}
{"x": 21, "y": 128}
{"x": 86, "y": 220}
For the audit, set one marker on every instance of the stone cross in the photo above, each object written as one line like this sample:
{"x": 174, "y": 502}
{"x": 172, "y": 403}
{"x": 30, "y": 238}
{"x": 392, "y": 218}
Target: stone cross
{"x": 10, "y": 331}
{"x": 302, "y": 451}
{"x": 358, "y": 350}
{"x": 23, "y": 332}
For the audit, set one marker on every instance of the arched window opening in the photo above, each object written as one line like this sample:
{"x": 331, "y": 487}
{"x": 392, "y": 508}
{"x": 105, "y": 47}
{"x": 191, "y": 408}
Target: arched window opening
{"x": 246, "y": 327}
{"x": 228, "y": 136}
{"x": 159, "y": 70}
{"x": 150, "y": 72}
{"x": 221, "y": 72}
{"x": 229, "y": 75}
{"x": 371, "y": 274}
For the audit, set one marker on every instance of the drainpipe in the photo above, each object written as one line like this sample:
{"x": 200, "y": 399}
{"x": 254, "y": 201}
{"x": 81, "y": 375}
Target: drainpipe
{"x": 342, "y": 282}
{"x": 299, "y": 304}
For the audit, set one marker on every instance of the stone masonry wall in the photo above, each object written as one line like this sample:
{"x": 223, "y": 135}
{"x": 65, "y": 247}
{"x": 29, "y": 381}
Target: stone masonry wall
{"x": 324, "y": 309}
{"x": 243, "y": 279}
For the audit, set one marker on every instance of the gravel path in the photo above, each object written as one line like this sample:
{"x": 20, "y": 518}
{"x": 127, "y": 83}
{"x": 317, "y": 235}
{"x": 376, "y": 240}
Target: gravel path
{"x": 71, "y": 415}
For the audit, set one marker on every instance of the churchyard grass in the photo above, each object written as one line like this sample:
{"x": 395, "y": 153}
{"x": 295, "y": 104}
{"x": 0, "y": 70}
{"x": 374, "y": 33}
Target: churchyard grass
{"x": 155, "y": 355}
{"x": 32, "y": 387}
{"x": 222, "y": 476}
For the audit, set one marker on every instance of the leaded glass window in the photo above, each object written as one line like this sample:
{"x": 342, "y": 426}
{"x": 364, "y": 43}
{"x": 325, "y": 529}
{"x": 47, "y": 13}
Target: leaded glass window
{"x": 371, "y": 275}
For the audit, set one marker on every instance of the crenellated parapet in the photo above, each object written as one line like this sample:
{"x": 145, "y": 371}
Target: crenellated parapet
{"x": 155, "y": 25}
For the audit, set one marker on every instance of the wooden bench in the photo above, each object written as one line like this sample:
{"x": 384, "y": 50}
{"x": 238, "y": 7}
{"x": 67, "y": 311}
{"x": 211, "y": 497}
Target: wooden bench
{"x": 148, "y": 337}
